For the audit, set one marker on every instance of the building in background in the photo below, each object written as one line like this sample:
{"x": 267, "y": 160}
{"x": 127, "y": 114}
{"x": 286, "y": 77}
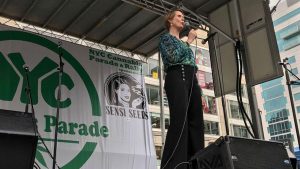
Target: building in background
{"x": 273, "y": 96}
{"x": 212, "y": 107}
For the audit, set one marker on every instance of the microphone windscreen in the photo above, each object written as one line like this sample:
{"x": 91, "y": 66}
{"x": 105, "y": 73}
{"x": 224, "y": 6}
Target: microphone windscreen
{"x": 186, "y": 29}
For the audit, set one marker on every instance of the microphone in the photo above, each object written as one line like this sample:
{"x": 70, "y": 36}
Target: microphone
{"x": 26, "y": 68}
{"x": 208, "y": 37}
{"x": 283, "y": 61}
{"x": 186, "y": 29}
{"x": 59, "y": 44}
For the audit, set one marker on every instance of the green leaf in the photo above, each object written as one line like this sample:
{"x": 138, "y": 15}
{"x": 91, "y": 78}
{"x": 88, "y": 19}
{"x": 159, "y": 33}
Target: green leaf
{"x": 40, "y": 158}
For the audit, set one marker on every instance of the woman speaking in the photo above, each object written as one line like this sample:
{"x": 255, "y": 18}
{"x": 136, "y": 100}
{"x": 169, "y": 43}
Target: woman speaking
{"x": 186, "y": 132}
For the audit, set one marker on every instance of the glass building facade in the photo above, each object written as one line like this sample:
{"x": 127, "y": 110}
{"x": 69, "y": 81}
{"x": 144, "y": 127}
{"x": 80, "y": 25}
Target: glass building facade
{"x": 275, "y": 103}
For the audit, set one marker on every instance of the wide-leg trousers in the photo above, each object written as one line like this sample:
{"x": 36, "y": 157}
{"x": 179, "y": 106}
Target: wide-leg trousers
{"x": 185, "y": 135}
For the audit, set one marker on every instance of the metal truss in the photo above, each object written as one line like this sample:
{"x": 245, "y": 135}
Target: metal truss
{"x": 161, "y": 7}
{"x": 68, "y": 38}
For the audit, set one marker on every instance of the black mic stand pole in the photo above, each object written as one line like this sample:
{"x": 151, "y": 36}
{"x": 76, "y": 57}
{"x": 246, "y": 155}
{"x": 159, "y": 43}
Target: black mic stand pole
{"x": 60, "y": 73}
{"x": 204, "y": 41}
{"x": 28, "y": 93}
{"x": 29, "y": 100}
{"x": 27, "y": 90}
{"x": 221, "y": 84}
{"x": 288, "y": 83}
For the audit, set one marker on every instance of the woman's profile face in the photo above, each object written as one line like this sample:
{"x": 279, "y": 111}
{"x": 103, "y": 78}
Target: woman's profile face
{"x": 177, "y": 21}
{"x": 124, "y": 92}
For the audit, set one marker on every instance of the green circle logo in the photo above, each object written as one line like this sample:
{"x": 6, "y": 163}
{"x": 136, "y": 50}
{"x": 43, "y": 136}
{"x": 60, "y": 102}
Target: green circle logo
{"x": 89, "y": 147}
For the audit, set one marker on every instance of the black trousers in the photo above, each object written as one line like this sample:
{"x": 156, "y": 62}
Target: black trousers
{"x": 185, "y": 135}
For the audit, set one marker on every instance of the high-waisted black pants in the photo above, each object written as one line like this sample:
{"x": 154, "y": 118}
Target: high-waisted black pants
{"x": 186, "y": 117}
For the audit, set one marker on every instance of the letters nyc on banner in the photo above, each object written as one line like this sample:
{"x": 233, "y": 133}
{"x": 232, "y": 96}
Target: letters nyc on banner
{"x": 104, "y": 121}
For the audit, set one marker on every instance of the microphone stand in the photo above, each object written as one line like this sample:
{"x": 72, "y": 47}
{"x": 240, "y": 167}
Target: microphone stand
{"x": 221, "y": 84}
{"x": 289, "y": 83}
{"x": 28, "y": 93}
{"x": 60, "y": 73}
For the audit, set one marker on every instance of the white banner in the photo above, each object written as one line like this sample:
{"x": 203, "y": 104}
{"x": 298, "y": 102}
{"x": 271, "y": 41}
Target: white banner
{"x": 104, "y": 122}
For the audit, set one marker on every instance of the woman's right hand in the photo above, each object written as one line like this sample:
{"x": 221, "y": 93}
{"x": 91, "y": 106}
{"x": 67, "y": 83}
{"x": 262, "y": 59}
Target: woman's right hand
{"x": 192, "y": 35}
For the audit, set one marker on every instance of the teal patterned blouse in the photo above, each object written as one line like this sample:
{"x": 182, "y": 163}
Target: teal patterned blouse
{"x": 175, "y": 52}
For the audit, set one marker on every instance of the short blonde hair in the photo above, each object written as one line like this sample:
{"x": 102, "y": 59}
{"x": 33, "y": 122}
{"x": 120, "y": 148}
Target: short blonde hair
{"x": 170, "y": 15}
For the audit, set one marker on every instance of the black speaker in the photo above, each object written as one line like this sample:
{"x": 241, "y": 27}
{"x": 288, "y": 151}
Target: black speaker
{"x": 18, "y": 140}
{"x": 240, "y": 153}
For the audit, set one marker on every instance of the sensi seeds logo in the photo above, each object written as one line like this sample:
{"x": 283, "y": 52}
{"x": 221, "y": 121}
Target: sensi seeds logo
{"x": 124, "y": 97}
{"x": 44, "y": 82}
